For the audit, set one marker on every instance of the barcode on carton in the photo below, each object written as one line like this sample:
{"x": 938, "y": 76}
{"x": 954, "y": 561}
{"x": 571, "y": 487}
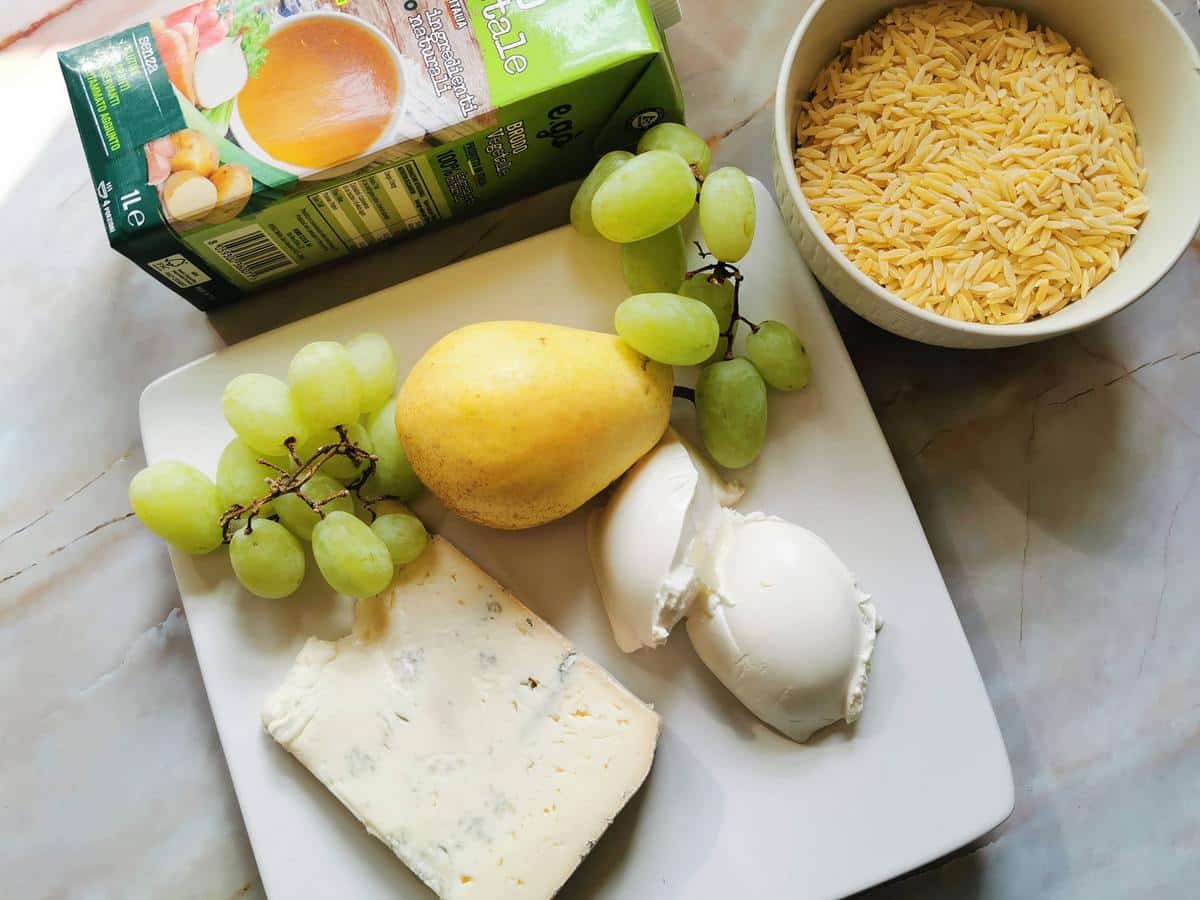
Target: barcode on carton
{"x": 251, "y": 252}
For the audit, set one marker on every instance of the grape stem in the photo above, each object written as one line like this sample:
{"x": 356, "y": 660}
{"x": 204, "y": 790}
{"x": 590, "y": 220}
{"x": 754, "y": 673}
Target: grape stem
{"x": 291, "y": 482}
{"x": 719, "y": 273}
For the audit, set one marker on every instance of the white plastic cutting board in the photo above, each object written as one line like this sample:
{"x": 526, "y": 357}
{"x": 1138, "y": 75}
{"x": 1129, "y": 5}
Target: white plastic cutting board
{"x": 730, "y": 808}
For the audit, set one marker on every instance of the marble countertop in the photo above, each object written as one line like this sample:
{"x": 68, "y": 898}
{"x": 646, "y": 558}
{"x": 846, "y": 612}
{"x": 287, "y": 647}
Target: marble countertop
{"x": 1058, "y": 484}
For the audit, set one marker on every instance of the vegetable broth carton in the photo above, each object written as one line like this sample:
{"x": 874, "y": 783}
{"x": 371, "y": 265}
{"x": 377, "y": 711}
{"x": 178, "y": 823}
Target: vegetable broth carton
{"x": 235, "y": 143}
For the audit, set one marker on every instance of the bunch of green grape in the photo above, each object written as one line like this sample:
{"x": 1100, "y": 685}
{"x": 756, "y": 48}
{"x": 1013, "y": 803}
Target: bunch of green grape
{"x": 331, "y": 427}
{"x": 683, "y": 318}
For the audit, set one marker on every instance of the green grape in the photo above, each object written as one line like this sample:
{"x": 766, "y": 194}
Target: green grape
{"x": 581, "y": 206}
{"x": 779, "y": 356}
{"x": 668, "y": 328}
{"x": 354, "y": 559}
{"x": 722, "y": 349}
{"x": 394, "y": 476}
{"x": 339, "y": 467}
{"x": 375, "y": 362}
{"x": 727, "y": 214}
{"x": 680, "y": 140}
{"x": 716, "y": 296}
{"x": 178, "y": 503}
{"x": 262, "y": 412}
{"x": 719, "y": 298}
{"x": 241, "y": 478}
{"x": 657, "y": 263}
{"x": 404, "y": 536}
{"x": 326, "y": 385}
{"x": 299, "y": 517}
{"x": 731, "y": 409}
{"x": 649, "y": 194}
{"x": 268, "y": 560}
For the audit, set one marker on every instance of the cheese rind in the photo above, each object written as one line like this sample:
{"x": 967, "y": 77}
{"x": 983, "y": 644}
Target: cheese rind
{"x": 466, "y": 733}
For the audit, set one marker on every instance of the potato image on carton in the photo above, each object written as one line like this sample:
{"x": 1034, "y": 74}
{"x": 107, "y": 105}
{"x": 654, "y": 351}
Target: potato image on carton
{"x": 194, "y": 187}
{"x": 193, "y": 153}
{"x": 234, "y": 187}
{"x": 188, "y": 196}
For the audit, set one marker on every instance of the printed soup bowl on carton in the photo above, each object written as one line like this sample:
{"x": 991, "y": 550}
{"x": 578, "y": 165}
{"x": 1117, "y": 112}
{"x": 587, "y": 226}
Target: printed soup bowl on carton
{"x": 329, "y": 95}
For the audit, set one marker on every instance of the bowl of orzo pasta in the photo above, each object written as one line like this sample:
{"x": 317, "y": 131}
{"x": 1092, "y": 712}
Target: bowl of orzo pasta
{"x": 985, "y": 176}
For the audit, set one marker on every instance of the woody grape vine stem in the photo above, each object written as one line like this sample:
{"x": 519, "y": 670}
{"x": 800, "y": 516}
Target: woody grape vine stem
{"x": 292, "y": 482}
{"x": 720, "y": 273}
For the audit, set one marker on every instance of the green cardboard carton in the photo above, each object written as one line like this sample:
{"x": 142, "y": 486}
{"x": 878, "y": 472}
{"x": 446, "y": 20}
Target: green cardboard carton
{"x": 235, "y": 143}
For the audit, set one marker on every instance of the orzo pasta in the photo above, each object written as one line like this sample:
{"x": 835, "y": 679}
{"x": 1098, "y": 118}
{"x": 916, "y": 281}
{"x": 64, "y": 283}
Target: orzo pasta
{"x": 971, "y": 163}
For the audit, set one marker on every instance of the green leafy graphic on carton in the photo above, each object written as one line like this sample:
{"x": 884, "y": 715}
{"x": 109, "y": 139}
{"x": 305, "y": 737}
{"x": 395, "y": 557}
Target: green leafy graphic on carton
{"x": 219, "y": 116}
{"x": 251, "y": 23}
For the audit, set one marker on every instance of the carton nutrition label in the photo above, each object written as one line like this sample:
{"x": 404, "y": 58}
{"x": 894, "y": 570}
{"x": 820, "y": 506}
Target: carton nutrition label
{"x": 378, "y": 206}
{"x": 322, "y": 225}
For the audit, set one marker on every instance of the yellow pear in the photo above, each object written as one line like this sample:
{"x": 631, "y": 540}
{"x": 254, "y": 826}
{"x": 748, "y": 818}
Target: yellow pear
{"x": 513, "y": 424}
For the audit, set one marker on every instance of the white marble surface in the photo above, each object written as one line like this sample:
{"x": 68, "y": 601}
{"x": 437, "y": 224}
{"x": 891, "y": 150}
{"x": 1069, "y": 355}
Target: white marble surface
{"x": 1058, "y": 485}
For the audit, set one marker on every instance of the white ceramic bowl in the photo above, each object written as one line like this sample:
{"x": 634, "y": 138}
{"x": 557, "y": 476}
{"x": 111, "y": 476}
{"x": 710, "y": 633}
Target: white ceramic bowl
{"x": 1135, "y": 44}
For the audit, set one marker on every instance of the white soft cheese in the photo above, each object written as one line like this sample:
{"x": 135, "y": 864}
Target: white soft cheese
{"x": 644, "y": 541}
{"x": 466, "y": 733}
{"x": 785, "y": 626}
{"x": 770, "y": 608}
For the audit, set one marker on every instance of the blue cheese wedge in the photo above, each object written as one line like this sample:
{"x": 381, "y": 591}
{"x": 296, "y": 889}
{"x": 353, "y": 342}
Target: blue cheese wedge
{"x": 466, "y": 733}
